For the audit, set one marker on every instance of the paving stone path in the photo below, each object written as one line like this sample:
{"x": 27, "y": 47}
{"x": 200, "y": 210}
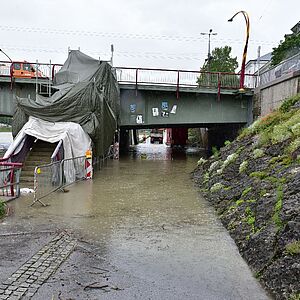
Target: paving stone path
{"x": 31, "y": 275}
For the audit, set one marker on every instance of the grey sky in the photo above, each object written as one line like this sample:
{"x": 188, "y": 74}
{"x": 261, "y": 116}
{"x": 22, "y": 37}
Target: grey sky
{"x": 154, "y": 33}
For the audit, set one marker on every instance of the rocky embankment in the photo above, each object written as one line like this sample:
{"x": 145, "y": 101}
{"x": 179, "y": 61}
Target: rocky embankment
{"x": 254, "y": 184}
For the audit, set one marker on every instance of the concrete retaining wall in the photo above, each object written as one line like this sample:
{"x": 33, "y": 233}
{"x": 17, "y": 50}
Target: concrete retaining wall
{"x": 268, "y": 97}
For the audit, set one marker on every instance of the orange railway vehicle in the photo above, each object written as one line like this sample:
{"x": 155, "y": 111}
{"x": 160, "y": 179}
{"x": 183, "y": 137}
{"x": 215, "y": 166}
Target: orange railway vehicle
{"x": 24, "y": 70}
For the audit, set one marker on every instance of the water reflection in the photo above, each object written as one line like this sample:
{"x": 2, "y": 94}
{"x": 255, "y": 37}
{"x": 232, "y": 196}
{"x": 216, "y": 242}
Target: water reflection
{"x": 147, "y": 151}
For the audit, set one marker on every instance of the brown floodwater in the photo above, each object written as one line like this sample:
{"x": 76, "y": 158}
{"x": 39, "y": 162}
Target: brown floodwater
{"x": 150, "y": 222}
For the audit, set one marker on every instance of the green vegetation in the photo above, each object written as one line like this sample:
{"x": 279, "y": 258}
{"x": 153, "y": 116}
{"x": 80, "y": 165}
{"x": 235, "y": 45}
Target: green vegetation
{"x": 5, "y": 129}
{"x": 293, "y": 248}
{"x": 278, "y": 126}
{"x": 250, "y": 218}
{"x": 288, "y": 103}
{"x": 213, "y": 166}
{"x": 239, "y": 202}
{"x": 201, "y": 161}
{"x": 243, "y": 167}
{"x": 259, "y": 174}
{"x": 287, "y": 48}
{"x": 246, "y": 191}
{"x": 227, "y": 143}
{"x": 216, "y": 187}
{"x": 230, "y": 159}
{"x": 257, "y": 153}
{"x": 6, "y": 120}
{"x": 220, "y": 61}
{"x": 215, "y": 151}
{"x": 194, "y": 136}
{"x": 272, "y": 179}
{"x": 2, "y": 209}
{"x": 206, "y": 177}
{"x": 295, "y": 297}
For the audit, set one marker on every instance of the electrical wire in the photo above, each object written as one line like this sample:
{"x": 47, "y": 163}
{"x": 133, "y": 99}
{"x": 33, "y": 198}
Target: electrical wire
{"x": 156, "y": 55}
{"x": 119, "y": 35}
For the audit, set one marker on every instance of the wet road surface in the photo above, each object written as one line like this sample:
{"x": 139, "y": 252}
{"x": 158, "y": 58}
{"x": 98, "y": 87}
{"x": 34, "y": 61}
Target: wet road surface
{"x": 149, "y": 226}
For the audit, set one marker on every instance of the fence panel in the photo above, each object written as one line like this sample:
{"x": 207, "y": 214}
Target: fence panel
{"x": 289, "y": 65}
{"x": 73, "y": 169}
{"x": 10, "y": 180}
{"x": 47, "y": 179}
{"x": 58, "y": 174}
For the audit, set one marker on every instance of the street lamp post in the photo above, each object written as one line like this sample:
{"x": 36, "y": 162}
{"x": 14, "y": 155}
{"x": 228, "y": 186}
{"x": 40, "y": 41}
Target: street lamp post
{"x": 6, "y": 55}
{"x": 208, "y": 54}
{"x": 11, "y": 69}
{"x": 242, "y": 76}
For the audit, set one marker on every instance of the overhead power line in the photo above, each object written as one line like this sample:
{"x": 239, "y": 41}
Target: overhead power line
{"x": 119, "y": 35}
{"x": 157, "y": 55}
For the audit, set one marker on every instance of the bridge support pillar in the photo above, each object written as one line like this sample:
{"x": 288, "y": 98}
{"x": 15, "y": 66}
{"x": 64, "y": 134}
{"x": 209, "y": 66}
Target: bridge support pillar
{"x": 124, "y": 140}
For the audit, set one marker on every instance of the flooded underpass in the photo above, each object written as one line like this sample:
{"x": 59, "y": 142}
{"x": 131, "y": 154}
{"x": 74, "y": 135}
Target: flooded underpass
{"x": 147, "y": 225}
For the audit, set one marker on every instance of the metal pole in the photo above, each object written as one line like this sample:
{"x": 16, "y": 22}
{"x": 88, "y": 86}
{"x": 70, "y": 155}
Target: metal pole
{"x": 258, "y": 65}
{"x": 49, "y": 92}
{"x": 6, "y": 55}
{"x": 208, "y": 52}
{"x": 112, "y": 54}
{"x": 36, "y": 78}
{"x": 11, "y": 69}
{"x": 242, "y": 76}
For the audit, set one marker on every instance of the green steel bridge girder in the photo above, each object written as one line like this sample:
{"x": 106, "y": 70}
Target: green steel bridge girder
{"x": 191, "y": 106}
{"x": 148, "y": 107}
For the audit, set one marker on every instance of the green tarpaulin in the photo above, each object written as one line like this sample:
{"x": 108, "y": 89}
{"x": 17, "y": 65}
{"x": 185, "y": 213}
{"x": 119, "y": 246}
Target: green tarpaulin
{"x": 87, "y": 93}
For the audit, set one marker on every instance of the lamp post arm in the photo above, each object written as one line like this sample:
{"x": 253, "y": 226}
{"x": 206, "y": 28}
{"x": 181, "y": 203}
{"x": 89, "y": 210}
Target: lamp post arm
{"x": 6, "y": 55}
{"x": 242, "y": 77}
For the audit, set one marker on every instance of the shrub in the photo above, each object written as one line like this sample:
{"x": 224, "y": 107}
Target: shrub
{"x": 215, "y": 151}
{"x": 239, "y": 202}
{"x": 293, "y": 248}
{"x": 230, "y": 159}
{"x": 288, "y": 103}
{"x": 243, "y": 167}
{"x": 294, "y": 145}
{"x": 257, "y": 153}
{"x": 260, "y": 174}
{"x": 216, "y": 187}
{"x": 246, "y": 191}
{"x": 201, "y": 161}
{"x": 213, "y": 166}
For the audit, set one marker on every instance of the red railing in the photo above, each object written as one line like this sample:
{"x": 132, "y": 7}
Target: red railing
{"x": 151, "y": 76}
{"x": 10, "y": 179}
{"x": 41, "y": 70}
{"x": 183, "y": 78}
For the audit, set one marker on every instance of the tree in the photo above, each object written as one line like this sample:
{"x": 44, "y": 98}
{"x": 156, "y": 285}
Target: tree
{"x": 287, "y": 48}
{"x": 220, "y": 61}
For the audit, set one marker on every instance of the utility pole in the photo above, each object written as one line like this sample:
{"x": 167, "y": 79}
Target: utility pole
{"x": 112, "y": 54}
{"x": 208, "y": 52}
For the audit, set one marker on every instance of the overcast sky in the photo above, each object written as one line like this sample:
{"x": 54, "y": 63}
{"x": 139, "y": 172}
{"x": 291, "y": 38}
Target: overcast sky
{"x": 164, "y": 34}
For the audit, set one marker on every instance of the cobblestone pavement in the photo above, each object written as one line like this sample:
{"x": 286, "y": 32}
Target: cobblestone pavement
{"x": 25, "y": 282}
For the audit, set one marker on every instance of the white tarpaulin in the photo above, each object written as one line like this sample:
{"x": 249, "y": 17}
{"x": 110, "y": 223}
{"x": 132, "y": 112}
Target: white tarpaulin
{"x": 75, "y": 141}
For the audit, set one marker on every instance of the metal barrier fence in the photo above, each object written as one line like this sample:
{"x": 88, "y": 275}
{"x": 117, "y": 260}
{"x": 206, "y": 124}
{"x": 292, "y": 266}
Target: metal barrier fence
{"x": 56, "y": 175}
{"x": 149, "y": 76}
{"x": 10, "y": 180}
{"x": 183, "y": 78}
{"x": 290, "y": 65}
{"x": 29, "y": 69}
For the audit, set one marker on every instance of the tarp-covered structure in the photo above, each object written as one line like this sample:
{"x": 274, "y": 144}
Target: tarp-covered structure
{"x": 87, "y": 93}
